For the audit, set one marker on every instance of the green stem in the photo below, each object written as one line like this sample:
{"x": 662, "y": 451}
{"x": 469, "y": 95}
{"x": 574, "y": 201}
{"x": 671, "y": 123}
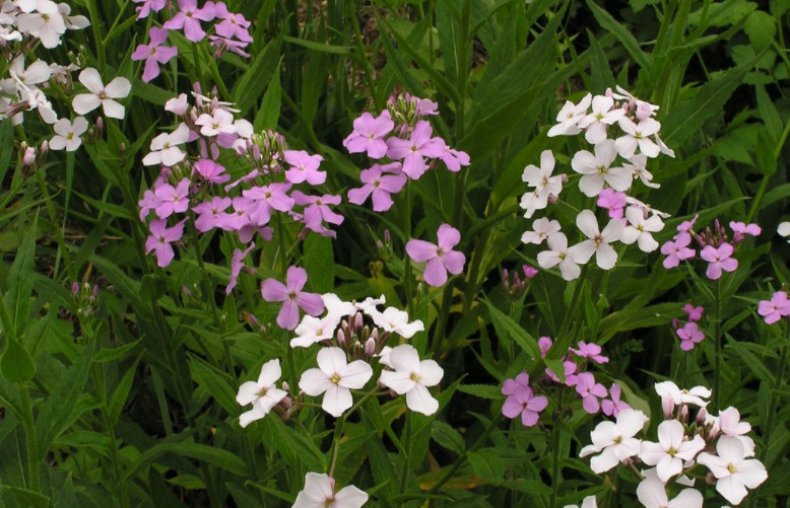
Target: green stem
{"x": 772, "y": 407}
{"x": 555, "y": 454}
{"x": 406, "y": 260}
{"x": 406, "y": 443}
{"x": 336, "y": 444}
{"x": 31, "y": 440}
{"x": 717, "y": 344}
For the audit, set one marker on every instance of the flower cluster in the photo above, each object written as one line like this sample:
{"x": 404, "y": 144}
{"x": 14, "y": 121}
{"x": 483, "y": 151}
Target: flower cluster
{"x": 606, "y": 173}
{"x": 715, "y": 245}
{"x": 595, "y": 397}
{"x": 718, "y": 443}
{"x": 229, "y": 32}
{"x": 192, "y": 186}
{"x": 689, "y": 333}
{"x": 351, "y": 335}
{"x": 514, "y": 285}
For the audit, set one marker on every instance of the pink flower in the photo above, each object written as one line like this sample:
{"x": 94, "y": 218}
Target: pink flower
{"x": 521, "y": 400}
{"x": 690, "y": 335}
{"x": 189, "y": 18}
{"x": 267, "y": 198}
{"x": 570, "y": 373}
{"x": 677, "y": 250}
{"x": 211, "y": 171}
{"x": 172, "y": 199}
{"x": 694, "y": 313}
{"x": 591, "y": 351}
{"x": 236, "y": 264}
{"x": 414, "y": 150}
{"x": 380, "y": 183}
{"x": 149, "y": 6}
{"x": 292, "y": 296}
{"x": 232, "y": 24}
{"x": 368, "y": 135}
{"x": 741, "y": 230}
{"x": 719, "y": 259}
{"x": 590, "y": 392}
{"x": 154, "y": 53}
{"x": 544, "y": 344}
{"x": 613, "y": 405}
{"x": 439, "y": 258}
{"x": 317, "y": 211}
{"x": 160, "y": 240}
{"x": 304, "y": 167}
{"x": 612, "y": 200}
{"x": 687, "y": 225}
{"x": 454, "y": 159}
{"x": 774, "y": 309}
{"x": 211, "y": 213}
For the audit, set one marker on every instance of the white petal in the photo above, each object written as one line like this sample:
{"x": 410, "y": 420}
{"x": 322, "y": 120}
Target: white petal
{"x": 587, "y": 223}
{"x": 85, "y": 103}
{"x": 256, "y": 413}
{"x": 113, "y": 109}
{"x": 336, "y": 400}
{"x": 331, "y": 360}
{"x": 350, "y": 497}
{"x": 355, "y": 374}
{"x": 420, "y": 400}
{"x": 430, "y": 373}
{"x": 405, "y": 358}
{"x": 248, "y": 392}
{"x": 270, "y": 373}
{"x": 314, "y": 382}
{"x": 118, "y": 88}
{"x": 91, "y": 78}
{"x": 398, "y": 381}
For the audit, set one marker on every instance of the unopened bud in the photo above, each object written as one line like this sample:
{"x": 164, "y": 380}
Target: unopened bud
{"x": 370, "y": 346}
{"x": 29, "y": 157}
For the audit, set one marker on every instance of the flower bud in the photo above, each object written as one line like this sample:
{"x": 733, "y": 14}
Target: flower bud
{"x": 370, "y": 347}
{"x": 29, "y": 157}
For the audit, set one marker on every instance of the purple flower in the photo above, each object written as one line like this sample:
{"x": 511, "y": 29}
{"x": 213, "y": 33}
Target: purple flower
{"x": 687, "y": 225}
{"x": 690, "y": 335}
{"x": 742, "y": 229}
{"x": 521, "y": 401}
{"x": 149, "y": 6}
{"x": 439, "y": 258}
{"x": 454, "y": 159}
{"x": 232, "y": 24}
{"x": 380, "y": 183}
{"x": 570, "y": 373}
{"x": 211, "y": 171}
{"x": 719, "y": 259}
{"x": 590, "y": 392}
{"x": 368, "y": 135}
{"x": 414, "y": 150}
{"x": 613, "y": 405}
{"x": 677, "y": 250}
{"x": 267, "y": 198}
{"x": 211, "y": 213}
{"x": 160, "y": 239}
{"x": 154, "y": 53}
{"x": 189, "y": 18}
{"x": 304, "y": 167}
{"x": 614, "y": 201}
{"x": 774, "y": 309}
{"x": 236, "y": 264}
{"x": 147, "y": 203}
{"x": 172, "y": 199}
{"x": 694, "y": 313}
{"x": 317, "y": 211}
{"x": 591, "y": 351}
{"x": 544, "y": 344}
{"x": 292, "y": 296}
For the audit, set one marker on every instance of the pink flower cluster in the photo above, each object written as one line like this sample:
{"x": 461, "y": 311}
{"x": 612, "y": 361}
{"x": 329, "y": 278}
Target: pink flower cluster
{"x": 192, "y": 186}
{"x": 594, "y": 395}
{"x": 515, "y": 287}
{"x": 230, "y": 30}
{"x": 690, "y": 333}
{"x": 775, "y": 309}
{"x": 715, "y": 246}
{"x": 403, "y": 143}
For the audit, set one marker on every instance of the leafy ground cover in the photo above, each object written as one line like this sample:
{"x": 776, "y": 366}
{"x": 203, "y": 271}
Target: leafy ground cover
{"x": 394, "y": 253}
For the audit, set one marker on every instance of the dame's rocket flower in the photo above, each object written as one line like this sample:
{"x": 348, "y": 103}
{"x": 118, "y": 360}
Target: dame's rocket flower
{"x": 188, "y": 19}
{"x": 439, "y": 258}
{"x": 292, "y": 296}
{"x": 101, "y": 95}
{"x": 380, "y": 182}
{"x": 262, "y": 394}
{"x": 413, "y": 377}
{"x": 154, "y": 53}
{"x": 413, "y": 151}
{"x": 335, "y": 378}
{"x": 368, "y": 135}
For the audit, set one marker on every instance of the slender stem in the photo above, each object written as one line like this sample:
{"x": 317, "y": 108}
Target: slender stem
{"x": 406, "y": 260}
{"x": 717, "y": 343}
{"x": 555, "y": 454}
{"x": 31, "y": 440}
{"x": 336, "y": 444}
{"x": 772, "y": 407}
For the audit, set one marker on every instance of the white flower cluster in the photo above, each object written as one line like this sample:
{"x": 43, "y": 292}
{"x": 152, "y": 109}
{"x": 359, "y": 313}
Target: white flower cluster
{"x": 718, "y": 442}
{"x": 601, "y": 177}
{"x": 349, "y": 347}
{"x": 23, "y": 24}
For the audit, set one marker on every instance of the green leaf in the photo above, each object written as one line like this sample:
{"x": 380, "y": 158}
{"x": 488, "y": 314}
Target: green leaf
{"x": 16, "y": 364}
{"x": 319, "y": 261}
{"x": 6, "y": 140}
{"x": 20, "y": 284}
{"x": 269, "y": 112}
{"x": 216, "y": 457}
{"x": 761, "y": 28}
{"x": 318, "y": 46}
{"x": 107, "y": 355}
{"x": 622, "y": 34}
{"x": 121, "y": 394}
{"x": 215, "y": 382}
{"x": 447, "y": 437}
{"x": 253, "y": 82}
{"x": 483, "y": 391}
{"x": 25, "y": 497}
{"x": 505, "y": 326}
{"x": 487, "y": 464}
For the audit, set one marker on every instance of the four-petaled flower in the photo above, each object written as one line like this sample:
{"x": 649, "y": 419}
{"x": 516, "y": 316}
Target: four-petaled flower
{"x": 154, "y": 53}
{"x": 598, "y": 241}
{"x": 319, "y": 492}
{"x": 732, "y": 469}
{"x": 262, "y": 394}
{"x": 615, "y": 441}
{"x": 672, "y": 449}
{"x": 292, "y": 296}
{"x": 335, "y": 378}
{"x": 719, "y": 259}
{"x": 412, "y": 377}
{"x": 368, "y": 135}
{"x": 67, "y": 134}
{"x": 440, "y": 258}
{"x": 101, "y": 95}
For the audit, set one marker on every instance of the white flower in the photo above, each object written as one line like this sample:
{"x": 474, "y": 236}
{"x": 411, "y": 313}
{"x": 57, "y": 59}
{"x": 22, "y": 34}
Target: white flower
{"x": 652, "y": 494}
{"x": 263, "y": 395}
{"x": 729, "y": 423}
{"x": 101, "y": 95}
{"x": 36, "y": 73}
{"x": 67, "y": 134}
{"x": 412, "y": 377}
{"x": 221, "y": 122}
{"x": 733, "y": 471}
{"x": 72, "y": 22}
{"x": 559, "y": 254}
{"x": 587, "y": 502}
{"x": 337, "y": 307}
{"x": 396, "y": 321}
{"x": 544, "y": 185}
{"x": 569, "y": 117}
{"x": 672, "y": 396}
{"x": 596, "y": 170}
{"x": 319, "y": 492}
{"x": 36, "y": 100}
{"x": 177, "y": 105}
{"x": 541, "y": 230}
{"x": 384, "y": 356}
{"x": 369, "y": 304}
{"x": 41, "y": 19}
{"x": 8, "y": 30}
{"x": 644, "y": 206}
{"x": 637, "y": 167}
{"x": 638, "y": 136}
{"x": 615, "y": 441}
{"x": 312, "y": 330}
{"x": 335, "y": 378}
{"x": 598, "y": 241}
{"x": 664, "y": 148}
{"x": 784, "y": 229}
{"x": 640, "y": 229}
{"x": 164, "y": 147}
{"x": 671, "y": 450}
{"x": 602, "y": 116}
